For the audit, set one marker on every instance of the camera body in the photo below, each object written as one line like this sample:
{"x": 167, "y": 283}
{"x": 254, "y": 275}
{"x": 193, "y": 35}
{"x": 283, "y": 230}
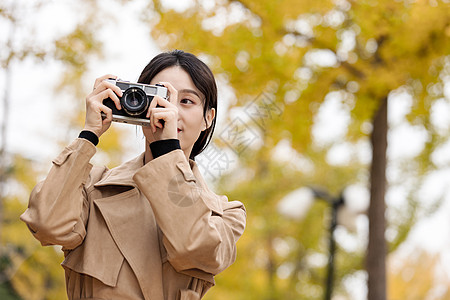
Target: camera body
{"x": 135, "y": 101}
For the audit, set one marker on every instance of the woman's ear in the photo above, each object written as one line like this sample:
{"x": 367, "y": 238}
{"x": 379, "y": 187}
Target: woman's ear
{"x": 210, "y": 115}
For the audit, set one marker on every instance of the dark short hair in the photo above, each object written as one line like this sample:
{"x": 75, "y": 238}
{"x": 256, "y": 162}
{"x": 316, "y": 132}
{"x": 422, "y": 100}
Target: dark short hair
{"x": 203, "y": 80}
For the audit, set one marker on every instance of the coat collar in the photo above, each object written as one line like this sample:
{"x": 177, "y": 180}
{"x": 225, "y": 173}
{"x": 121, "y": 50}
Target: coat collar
{"x": 123, "y": 174}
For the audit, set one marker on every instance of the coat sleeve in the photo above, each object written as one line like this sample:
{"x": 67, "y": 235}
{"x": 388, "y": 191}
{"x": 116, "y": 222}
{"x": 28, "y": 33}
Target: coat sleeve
{"x": 56, "y": 212}
{"x": 200, "y": 229}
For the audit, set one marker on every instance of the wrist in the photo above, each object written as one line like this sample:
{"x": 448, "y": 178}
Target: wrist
{"x": 90, "y": 136}
{"x": 161, "y": 147}
{"x": 93, "y": 130}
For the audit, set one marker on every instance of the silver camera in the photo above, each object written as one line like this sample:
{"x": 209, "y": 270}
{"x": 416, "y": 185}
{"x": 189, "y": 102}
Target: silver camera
{"x": 135, "y": 101}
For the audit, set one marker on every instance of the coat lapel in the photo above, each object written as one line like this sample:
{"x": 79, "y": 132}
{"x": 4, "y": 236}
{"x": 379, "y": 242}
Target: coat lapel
{"x": 132, "y": 225}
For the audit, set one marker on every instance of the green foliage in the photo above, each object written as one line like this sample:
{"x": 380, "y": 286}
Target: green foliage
{"x": 415, "y": 276}
{"x": 7, "y": 293}
{"x": 28, "y": 270}
{"x": 75, "y": 50}
{"x": 379, "y": 47}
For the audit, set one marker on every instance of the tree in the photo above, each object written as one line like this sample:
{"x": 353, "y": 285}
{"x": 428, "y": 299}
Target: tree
{"x": 28, "y": 270}
{"x": 9, "y": 13}
{"x": 361, "y": 52}
{"x": 11, "y": 254}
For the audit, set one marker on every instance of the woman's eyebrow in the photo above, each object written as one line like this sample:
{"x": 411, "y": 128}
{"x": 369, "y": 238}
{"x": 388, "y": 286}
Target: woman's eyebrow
{"x": 190, "y": 91}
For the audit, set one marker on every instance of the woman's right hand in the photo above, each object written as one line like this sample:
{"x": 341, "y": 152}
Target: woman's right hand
{"x": 94, "y": 105}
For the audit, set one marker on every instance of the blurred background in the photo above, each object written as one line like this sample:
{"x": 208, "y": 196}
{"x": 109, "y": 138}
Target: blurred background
{"x": 333, "y": 126}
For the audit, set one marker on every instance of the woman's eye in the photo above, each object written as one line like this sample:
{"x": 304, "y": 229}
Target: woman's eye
{"x": 187, "y": 101}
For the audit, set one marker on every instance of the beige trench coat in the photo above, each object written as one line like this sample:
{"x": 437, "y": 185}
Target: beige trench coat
{"x": 134, "y": 232}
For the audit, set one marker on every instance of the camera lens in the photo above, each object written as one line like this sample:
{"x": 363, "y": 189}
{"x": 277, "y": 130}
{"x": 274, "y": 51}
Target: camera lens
{"x": 134, "y": 101}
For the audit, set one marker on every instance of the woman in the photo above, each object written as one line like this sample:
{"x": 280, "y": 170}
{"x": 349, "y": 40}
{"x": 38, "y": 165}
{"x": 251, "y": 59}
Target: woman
{"x": 150, "y": 228}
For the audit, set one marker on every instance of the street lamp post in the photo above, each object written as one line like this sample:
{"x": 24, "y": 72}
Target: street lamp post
{"x": 296, "y": 204}
{"x": 335, "y": 203}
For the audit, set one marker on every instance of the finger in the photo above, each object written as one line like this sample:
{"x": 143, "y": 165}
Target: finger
{"x": 108, "y": 93}
{"x": 162, "y": 118}
{"x": 161, "y": 102}
{"x": 157, "y": 101}
{"x": 150, "y": 114}
{"x": 107, "y": 90}
{"x": 108, "y": 85}
{"x": 162, "y": 115}
{"x": 152, "y": 105}
{"x": 100, "y": 79}
{"x": 169, "y": 113}
{"x": 157, "y": 122}
{"x": 158, "y": 117}
{"x": 108, "y": 112}
{"x": 152, "y": 123}
{"x": 173, "y": 93}
{"x": 113, "y": 87}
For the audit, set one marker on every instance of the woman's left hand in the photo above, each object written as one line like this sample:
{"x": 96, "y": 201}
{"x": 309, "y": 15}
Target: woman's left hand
{"x": 163, "y": 115}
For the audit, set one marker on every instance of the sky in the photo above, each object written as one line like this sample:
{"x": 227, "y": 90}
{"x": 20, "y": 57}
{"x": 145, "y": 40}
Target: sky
{"x": 34, "y": 111}
{"x": 35, "y": 125}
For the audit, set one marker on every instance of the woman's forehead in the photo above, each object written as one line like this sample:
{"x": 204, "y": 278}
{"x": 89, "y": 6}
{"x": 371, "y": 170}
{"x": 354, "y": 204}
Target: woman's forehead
{"x": 177, "y": 76}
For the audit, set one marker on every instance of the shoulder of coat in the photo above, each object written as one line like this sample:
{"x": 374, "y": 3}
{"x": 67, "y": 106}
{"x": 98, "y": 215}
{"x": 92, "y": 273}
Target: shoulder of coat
{"x": 97, "y": 173}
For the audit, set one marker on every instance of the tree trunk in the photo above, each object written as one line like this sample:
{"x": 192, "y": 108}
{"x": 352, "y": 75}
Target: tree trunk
{"x": 376, "y": 250}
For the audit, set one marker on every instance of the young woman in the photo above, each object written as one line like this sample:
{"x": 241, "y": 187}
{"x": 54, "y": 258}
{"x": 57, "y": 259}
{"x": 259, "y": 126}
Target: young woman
{"x": 150, "y": 228}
